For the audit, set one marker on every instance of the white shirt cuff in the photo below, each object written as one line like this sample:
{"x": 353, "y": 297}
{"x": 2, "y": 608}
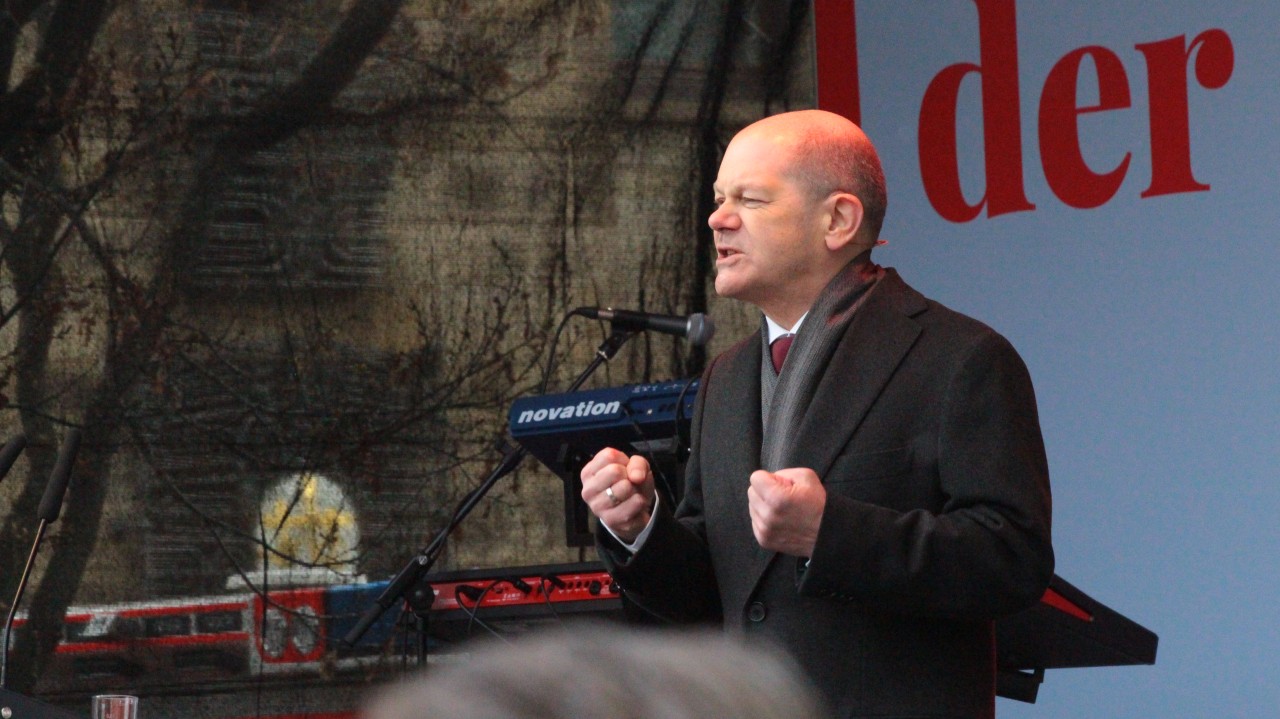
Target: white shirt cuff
{"x": 635, "y": 546}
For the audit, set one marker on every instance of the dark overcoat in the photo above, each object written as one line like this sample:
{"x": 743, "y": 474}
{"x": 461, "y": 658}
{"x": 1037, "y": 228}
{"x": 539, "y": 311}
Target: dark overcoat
{"x": 924, "y": 431}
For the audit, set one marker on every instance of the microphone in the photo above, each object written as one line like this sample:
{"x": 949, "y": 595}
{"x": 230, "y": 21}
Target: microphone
{"x": 697, "y": 327}
{"x": 51, "y": 503}
{"x": 10, "y": 453}
{"x": 50, "y": 508}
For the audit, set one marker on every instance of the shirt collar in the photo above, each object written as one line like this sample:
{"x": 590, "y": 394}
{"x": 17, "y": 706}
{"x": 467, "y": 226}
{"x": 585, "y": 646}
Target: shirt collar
{"x": 776, "y": 330}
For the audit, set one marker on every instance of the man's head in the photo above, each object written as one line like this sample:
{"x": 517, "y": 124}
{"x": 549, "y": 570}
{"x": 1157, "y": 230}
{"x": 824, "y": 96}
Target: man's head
{"x": 603, "y": 672}
{"x": 799, "y": 196}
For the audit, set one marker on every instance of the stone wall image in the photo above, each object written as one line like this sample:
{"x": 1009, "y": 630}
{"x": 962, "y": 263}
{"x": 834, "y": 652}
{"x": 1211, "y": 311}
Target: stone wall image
{"x": 288, "y": 266}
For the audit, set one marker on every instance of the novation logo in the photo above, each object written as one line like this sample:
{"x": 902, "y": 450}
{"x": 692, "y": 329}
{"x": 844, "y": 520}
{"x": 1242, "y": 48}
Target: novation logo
{"x": 1172, "y": 68}
{"x": 590, "y": 408}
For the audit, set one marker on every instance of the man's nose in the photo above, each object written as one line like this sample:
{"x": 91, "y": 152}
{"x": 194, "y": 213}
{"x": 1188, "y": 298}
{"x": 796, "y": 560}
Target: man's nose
{"x": 723, "y": 219}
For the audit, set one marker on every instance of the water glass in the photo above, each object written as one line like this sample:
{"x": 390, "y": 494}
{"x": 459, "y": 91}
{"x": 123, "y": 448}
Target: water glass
{"x": 115, "y": 706}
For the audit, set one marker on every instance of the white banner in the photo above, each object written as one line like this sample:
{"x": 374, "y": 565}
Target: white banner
{"x": 1097, "y": 181}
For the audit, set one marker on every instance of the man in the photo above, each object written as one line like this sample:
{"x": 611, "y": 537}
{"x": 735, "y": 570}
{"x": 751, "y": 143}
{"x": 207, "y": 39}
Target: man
{"x": 874, "y": 505}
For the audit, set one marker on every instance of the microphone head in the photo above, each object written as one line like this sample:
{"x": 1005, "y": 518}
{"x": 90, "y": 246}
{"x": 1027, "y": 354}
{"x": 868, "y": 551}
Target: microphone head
{"x": 51, "y": 503}
{"x": 701, "y": 329}
{"x": 10, "y": 453}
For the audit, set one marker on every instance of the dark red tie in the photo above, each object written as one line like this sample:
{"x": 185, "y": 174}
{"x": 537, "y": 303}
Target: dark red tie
{"x": 779, "y": 348}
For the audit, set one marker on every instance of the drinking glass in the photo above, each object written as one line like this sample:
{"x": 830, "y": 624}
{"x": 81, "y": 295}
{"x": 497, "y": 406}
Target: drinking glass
{"x": 115, "y": 706}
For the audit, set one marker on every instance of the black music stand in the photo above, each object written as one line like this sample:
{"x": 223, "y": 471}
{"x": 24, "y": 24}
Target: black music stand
{"x": 1067, "y": 628}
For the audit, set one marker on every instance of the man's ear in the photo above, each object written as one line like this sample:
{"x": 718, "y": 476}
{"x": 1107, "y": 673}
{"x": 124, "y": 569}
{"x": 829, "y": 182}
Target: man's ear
{"x": 844, "y": 220}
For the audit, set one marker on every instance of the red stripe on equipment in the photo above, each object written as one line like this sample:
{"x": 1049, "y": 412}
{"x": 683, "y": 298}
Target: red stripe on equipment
{"x": 1062, "y": 604}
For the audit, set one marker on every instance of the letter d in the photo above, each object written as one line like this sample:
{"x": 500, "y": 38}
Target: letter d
{"x": 1001, "y": 123}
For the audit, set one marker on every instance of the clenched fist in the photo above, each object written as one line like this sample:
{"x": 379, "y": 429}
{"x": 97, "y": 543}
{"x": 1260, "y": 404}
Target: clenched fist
{"x": 786, "y": 509}
{"x": 619, "y": 491}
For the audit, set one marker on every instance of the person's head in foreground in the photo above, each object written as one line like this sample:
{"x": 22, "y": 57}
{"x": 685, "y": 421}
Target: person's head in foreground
{"x": 602, "y": 672}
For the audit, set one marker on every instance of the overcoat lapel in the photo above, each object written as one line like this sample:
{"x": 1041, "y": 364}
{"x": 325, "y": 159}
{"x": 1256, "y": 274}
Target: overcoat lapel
{"x": 735, "y": 423}
{"x": 732, "y": 433}
{"x": 878, "y": 338}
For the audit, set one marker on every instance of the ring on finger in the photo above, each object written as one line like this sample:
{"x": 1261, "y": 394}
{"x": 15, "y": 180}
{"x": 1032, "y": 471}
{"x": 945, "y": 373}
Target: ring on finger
{"x": 608, "y": 492}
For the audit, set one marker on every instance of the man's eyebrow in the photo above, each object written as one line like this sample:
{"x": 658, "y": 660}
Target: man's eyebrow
{"x": 740, "y": 187}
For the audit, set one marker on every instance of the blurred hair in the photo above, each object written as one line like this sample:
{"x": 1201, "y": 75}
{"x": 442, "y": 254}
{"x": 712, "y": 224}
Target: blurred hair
{"x": 601, "y": 671}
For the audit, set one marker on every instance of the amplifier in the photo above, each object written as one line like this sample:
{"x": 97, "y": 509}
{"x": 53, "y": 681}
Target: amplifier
{"x": 509, "y": 602}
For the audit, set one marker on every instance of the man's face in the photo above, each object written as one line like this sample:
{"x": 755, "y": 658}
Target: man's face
{"x": 768, "y": 229}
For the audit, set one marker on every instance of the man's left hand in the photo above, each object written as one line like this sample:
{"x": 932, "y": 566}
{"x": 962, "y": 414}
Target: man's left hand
{"x": 786, "y": 509}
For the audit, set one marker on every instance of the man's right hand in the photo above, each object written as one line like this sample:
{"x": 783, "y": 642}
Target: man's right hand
{"x": 630, "y": 482}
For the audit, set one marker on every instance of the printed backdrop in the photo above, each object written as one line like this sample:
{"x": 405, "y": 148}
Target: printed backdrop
{"x": 1097, "y": 181}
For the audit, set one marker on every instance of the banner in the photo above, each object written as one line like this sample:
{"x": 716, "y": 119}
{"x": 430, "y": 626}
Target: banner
{"x": 1096, "y": 180}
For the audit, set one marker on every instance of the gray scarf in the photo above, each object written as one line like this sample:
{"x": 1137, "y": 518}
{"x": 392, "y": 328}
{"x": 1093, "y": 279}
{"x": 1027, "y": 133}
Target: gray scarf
{"x": 784, "y": 399}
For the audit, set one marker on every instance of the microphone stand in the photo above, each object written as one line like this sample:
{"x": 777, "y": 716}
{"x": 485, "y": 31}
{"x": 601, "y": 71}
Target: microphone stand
{"x": 13, "y": 610}
{"x": 13, "y": 704}
{"x": 420, "y": 565}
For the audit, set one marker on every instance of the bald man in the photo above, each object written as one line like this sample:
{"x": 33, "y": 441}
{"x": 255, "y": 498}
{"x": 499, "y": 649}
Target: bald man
{"x": 876, "y": 502}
